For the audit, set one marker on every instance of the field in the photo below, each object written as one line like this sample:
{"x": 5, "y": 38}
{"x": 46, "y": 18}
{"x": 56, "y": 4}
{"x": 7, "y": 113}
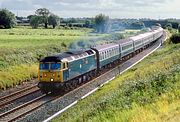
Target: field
{"x": 22, "y": 47}
{"x": 150, "y": 91}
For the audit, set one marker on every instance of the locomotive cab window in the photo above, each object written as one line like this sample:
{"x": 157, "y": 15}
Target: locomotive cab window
{"x": 44, "y": 66}
{"x": 55, "y": 66}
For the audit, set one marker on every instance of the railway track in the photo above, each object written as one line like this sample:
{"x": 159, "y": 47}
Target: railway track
{"x": 8, "y": 99}
{"x": 24, "y": 109}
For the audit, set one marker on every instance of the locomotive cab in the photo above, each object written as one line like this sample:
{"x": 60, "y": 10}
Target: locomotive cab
{"x": 52, "y": 71}
{"x": 50, "y": 75}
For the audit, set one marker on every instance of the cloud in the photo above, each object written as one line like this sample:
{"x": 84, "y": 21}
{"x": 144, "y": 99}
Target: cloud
{"x": 80, "y": 8}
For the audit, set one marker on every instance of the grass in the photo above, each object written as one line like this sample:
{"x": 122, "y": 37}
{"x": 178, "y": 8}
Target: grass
{"x": 44, "y": 32}
{"x": 148, "y": 92}
{"x": 14, "y": 75}
{"x": 25, "y": 37}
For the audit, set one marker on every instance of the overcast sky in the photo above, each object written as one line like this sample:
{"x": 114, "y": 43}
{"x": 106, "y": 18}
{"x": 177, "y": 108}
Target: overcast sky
{"x": 89, "y": 8}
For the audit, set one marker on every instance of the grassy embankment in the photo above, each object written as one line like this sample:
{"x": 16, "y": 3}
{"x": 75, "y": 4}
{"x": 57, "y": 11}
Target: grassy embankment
{"x": 148, "y": 92}
{"x": 20, "y": 49}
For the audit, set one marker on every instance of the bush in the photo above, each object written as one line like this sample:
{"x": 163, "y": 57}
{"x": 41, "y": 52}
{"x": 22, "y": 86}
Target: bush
{"x": 175, "y": 38}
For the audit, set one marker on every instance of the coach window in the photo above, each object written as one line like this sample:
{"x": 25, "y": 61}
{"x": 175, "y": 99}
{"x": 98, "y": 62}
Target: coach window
{"x": 105, "y": 54}
{"x": 102, "y": 55}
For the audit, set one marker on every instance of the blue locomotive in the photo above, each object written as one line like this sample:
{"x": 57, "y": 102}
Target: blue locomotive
{"x": 68, "y": 69}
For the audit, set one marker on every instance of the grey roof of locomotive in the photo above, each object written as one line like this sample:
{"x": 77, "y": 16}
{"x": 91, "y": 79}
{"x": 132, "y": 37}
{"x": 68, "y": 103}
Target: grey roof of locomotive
{"x": 68, "y": 54}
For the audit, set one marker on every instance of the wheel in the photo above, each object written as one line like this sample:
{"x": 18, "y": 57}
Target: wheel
{"x": 44, "y": 91}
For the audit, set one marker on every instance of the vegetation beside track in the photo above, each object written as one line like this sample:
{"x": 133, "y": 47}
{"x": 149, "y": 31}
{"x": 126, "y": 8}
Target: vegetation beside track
{"x": 20, "y": 49}
{"x": 148, "y": 92}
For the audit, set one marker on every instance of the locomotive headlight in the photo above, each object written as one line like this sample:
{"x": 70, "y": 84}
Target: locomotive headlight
{"x": 52, "y": 79}
{"x": 45, "y": 75}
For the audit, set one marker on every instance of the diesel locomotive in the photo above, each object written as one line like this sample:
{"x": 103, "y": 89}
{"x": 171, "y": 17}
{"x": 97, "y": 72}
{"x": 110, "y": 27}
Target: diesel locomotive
{"x": 68, "y": 69}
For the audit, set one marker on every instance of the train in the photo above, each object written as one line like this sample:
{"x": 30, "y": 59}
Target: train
{"x": 67, "y": 70}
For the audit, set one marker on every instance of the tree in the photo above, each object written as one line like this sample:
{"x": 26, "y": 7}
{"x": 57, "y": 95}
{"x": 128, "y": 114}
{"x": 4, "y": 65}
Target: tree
{"x": 44, "y": 14}
{"x": 7, "y": 19}
{"x": 168, "y": 25}
{"x": 175, "y": 38}
{"x": 30, "y": 16}
{"x": 137, "y": 25}
{"x": 87, "y": 23}
{"x": 101, "y": 23}
{"x": 34, "y": 21}
{"x": 53, "y": 20}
